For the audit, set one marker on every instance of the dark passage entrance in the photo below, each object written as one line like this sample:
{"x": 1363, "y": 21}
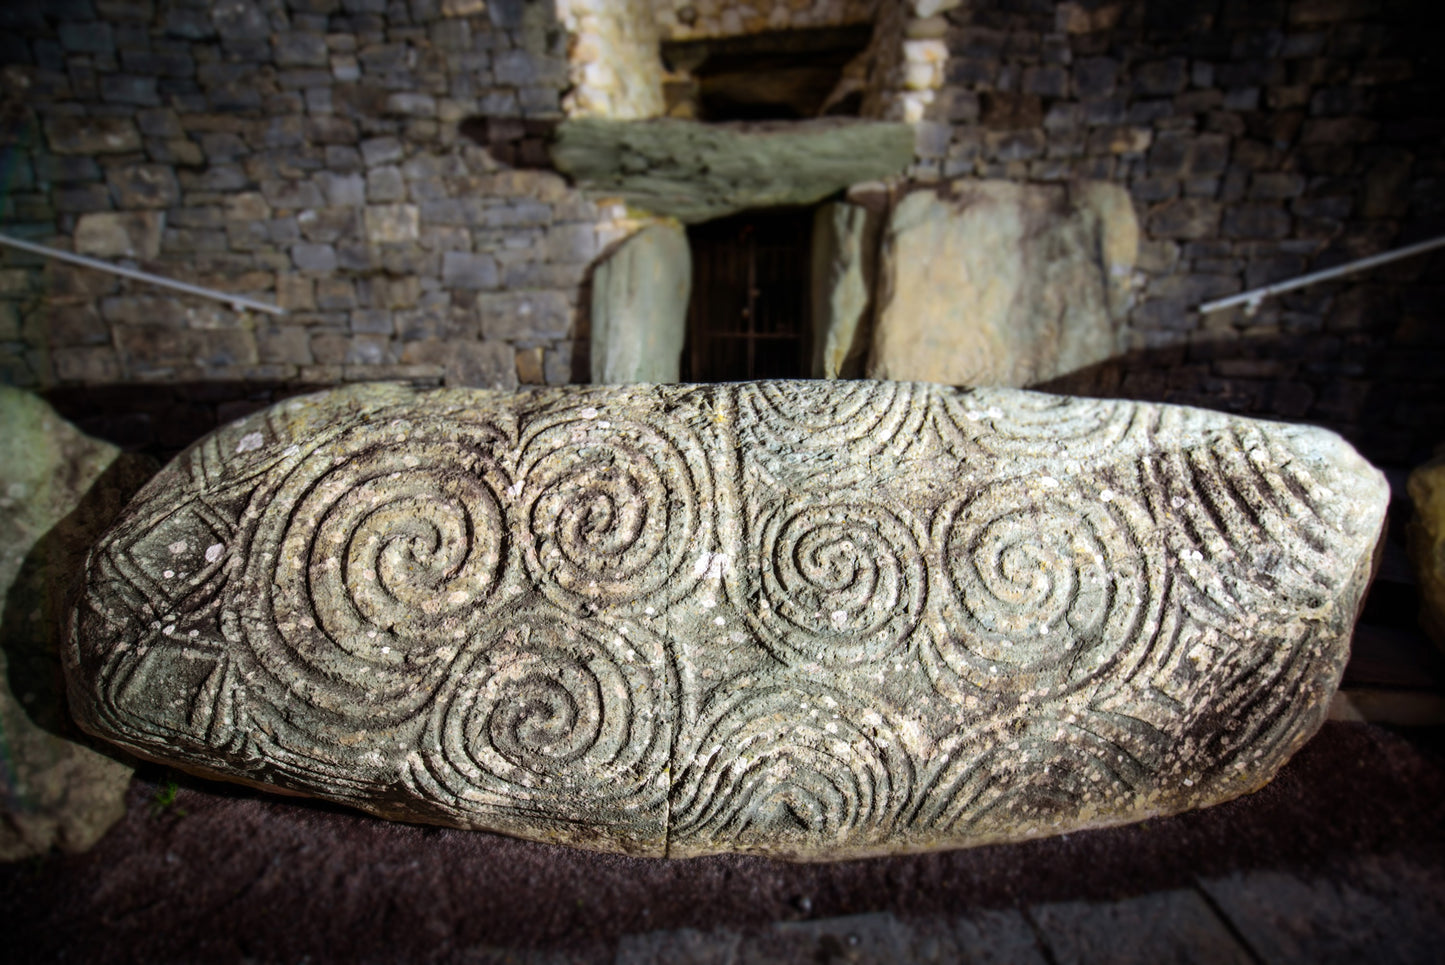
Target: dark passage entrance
{"x": 749, "y": 313}
{"x": 783, "y": 75}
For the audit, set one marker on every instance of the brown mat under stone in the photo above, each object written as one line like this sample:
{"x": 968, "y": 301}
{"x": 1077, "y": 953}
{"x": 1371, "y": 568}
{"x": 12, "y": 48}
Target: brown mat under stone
{"x": 208, "y": 872}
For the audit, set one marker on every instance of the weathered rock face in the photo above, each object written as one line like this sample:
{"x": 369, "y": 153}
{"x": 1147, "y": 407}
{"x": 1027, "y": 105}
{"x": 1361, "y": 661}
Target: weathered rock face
{"x": 1427, "y": 544}
{"x": 811, "y": 619}
{"x": 639, "y": 308}
{"x": 998, "y": 283}
{"x": 58, "y": 491}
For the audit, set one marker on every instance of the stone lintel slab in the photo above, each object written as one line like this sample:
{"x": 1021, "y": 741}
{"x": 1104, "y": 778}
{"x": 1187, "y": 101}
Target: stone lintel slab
{"x": 808, "y": 619}
{"x": 696, "y": 172}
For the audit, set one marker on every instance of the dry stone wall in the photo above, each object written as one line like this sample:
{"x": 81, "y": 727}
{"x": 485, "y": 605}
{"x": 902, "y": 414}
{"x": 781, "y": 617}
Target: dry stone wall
{"x": 696, "y": 19}
{"x": 307, "y": 153}
{"x": 311, "y": 153}
{"x": 1259, "y": 140}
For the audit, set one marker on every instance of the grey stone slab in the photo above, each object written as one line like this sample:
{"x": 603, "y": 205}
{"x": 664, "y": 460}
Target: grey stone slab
{"x": 1164, "y": 927}
{"x": 695, "y": 172}
{"x": 844, "y": 272}
{"x": 683, "y": 946}
{"x": 987, "y": 282}
{"x": 983, "y": 938}
{"x": 873, "y": 939}
{"x": 639, "y": 308}
{"x": 980, "y": 938}
{"x": 1385, "y": 909}
{"x": 807, "y": 619}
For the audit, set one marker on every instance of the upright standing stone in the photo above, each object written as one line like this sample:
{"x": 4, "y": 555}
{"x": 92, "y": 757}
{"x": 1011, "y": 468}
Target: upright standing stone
{"x": 1003, "y": 284}
{"x": 844, "y": 268}
{"x": 639, "y": 307}
{"x": 810, "y": 619}
{"x": 58, "y": 491}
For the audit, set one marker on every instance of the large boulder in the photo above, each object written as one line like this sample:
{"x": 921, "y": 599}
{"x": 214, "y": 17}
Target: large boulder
{"x": 809, "y": 619}
{"x": 1003, "y": 284}
{"x": 59, "y": 489}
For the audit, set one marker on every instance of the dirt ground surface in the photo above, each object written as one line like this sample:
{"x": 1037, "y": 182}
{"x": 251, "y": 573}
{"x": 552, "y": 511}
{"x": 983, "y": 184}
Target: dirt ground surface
{"x": 208, "y": 872}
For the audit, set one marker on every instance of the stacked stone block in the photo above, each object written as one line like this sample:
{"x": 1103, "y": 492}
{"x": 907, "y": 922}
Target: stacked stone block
{"x": 306, "y": 153}
{"x": 1259, "y": 140}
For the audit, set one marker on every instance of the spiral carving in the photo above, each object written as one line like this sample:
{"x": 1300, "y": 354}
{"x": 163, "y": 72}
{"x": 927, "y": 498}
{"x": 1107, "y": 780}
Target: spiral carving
{"x": 815, "y": 620}
{"x": 798, "y": 438}
{"x": 614, "y": 510}
{"x": 1002, "y": 786}
{"x": 1031, "y": 425}
{"x": 1045, "y": 580}
{"x": 771, "y": 765}
{"x": 371, "y": 563}
{"x": 836, "y": 581}
{"x": 557, "y": 717}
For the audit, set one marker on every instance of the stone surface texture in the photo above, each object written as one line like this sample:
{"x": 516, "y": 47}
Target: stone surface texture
{"x": 639, "y": 307}
{"x": 54, "y": 792}
{"x": 844, "y": 271}
{"x": 808, "y": 619}
{"x": 994, "y": 283}
{"x": 1426, "y": 535}
{"x": 697, "y": 172}
{"x": 614, "y": 62}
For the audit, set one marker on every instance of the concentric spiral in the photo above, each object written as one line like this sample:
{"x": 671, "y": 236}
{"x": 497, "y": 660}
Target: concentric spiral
{"x": 1030, "y": 425}
{"x": 372, "y": 562}
{"x": 835, "y": 581}
{"x": 1045, "y": 581}
{"x": 1024, "y": 784}
{"x": 774, "y": 765}
{"x": 799, "y": 434}
{"x": 614, "y": 510}
{"x": 563, "y": 719}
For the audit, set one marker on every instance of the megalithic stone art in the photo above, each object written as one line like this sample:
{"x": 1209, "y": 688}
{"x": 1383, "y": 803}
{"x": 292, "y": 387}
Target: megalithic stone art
{"x": 808, "y": 619}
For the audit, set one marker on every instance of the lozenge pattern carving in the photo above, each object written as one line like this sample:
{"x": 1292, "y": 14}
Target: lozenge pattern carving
{"x": 807, "y": 619}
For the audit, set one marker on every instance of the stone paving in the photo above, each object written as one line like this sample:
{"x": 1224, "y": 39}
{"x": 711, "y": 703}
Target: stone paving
{"x": 1376, "y": 909}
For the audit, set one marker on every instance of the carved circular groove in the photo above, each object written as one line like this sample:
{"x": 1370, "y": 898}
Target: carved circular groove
{"x": 1053, "y": 582}
{"x": 772, "y": 764}
{"x": 1023, "y": 424}
{"x": 372, "y": 562}
{"x": 802, "y": 437}
{"x": 614, "y": 510}
{"x": 837, "y": 582}
{"x": 559, "y": 716}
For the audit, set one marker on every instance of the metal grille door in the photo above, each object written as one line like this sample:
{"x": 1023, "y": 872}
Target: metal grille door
{"x": 749, "y": 314}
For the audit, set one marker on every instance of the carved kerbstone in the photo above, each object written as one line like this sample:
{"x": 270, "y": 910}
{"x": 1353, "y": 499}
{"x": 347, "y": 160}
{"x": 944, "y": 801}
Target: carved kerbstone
{"x": 810, "y": 619}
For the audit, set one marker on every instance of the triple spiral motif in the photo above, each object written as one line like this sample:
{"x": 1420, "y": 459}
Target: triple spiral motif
{"x": 372, "y": 561}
